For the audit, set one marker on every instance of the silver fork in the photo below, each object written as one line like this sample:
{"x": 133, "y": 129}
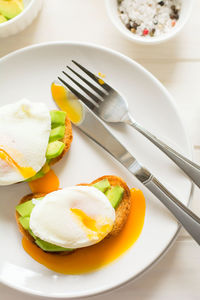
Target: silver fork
{"x": 111, "y": 107}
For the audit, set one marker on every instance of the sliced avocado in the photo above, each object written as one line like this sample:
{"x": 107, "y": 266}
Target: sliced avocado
{"x": 102, "y": 185}
{"x": 57, "y": 133}
{"x": 114, "y": 195}
{"x": 32, "y": 234}
{"x": 24, "y": 221}
{"x": 10, "y": 9}
{"x": 57, "y": 118}
{"x": 2, "y": 19}
{"x": 54, "y": 149}
{"x": 45, "y": 246}
{"x": 25, "y": 208}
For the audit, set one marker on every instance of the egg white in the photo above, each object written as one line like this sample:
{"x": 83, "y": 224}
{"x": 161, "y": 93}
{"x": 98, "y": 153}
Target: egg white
{"x": 53, "y": 221}
{"x": 24, "y": 133}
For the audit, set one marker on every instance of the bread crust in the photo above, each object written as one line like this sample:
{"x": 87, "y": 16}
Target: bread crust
{"x": 68, "y": 137}
{"x": 121, "y": 212}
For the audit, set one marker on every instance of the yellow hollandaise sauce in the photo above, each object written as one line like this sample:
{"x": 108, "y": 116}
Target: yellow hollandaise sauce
{"x": 95, "y": 257}
{"x": 67, "y": 102}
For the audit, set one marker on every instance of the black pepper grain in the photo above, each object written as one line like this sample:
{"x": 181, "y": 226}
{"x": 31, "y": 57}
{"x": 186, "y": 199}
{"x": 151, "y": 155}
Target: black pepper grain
{"x": 152, "y": 32}
{"x": 174, "y": 15}
{"x": 161, "y": 3}
{"x": 128, "y": 26}
{"x": 135, "y": 25}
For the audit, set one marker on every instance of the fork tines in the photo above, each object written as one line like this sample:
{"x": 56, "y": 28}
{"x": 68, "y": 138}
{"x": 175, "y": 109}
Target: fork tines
{"x": 77, "y": 94}
{"x": 101, "y": 92}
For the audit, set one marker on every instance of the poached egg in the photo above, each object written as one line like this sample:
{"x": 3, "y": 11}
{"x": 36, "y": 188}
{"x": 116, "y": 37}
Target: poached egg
{"x": 24, "y": 134}
{"x": 73, "y": 217}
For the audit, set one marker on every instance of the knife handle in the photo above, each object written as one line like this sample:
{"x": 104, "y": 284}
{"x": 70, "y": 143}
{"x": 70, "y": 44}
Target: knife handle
{"x": 184, "y": 215}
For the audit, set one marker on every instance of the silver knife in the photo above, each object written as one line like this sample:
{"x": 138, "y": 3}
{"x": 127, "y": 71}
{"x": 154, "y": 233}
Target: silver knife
{"x": 95, "y": 129}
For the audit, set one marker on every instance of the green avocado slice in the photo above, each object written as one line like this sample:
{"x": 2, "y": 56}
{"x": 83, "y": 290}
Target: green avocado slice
{"x": 54, "y": 149}
{"x": 24, "y": 221}
{"x": 57, "y": 133}
{"x": 45, "y": 246}
{"x": 10, "y": 9}
{"x": 102, "y": 185}
{"x": 114, "y": 195}
{"x": 32, "y": 234}
{"x": 57, "y": 118}
{"x": 2, "y": 19}
{"x": 25, "y": 208}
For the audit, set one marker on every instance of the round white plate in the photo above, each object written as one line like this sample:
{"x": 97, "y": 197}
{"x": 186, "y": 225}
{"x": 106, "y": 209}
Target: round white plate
{"x": 29, "y": 73}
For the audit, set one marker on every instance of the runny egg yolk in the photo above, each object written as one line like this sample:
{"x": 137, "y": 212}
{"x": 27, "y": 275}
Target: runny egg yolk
{"x": 94, "y": 257}
{"x": 90, "y": 224}
{"x": 67, "y": 102}
{"x": 46, "y": 184}
{"x": 85, "y": 219}
{"x": 26, "y": 172}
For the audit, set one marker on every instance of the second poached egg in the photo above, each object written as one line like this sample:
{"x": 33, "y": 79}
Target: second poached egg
{"x": 73, "y": 217}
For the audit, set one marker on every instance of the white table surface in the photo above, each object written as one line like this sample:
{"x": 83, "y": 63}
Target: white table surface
{"x": 177, "y": 65}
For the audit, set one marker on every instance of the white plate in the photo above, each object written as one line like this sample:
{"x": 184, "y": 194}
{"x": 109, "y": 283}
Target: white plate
{"x": 29, "y": 73}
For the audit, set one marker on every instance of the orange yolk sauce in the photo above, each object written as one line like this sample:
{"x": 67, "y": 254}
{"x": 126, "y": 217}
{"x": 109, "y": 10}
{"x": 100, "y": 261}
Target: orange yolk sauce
{"x": 67, "y": 102}
{"x": 94, "y": 257}
{"x": 26, "y": 172}
{"x": 46, "y": 184}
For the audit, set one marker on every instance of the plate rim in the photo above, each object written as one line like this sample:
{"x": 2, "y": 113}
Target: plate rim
{"x": 190, "y": 155}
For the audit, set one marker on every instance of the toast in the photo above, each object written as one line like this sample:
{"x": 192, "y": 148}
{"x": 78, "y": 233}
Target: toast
{"x": 66, "y": 140}
{"x": 122, "y": 211}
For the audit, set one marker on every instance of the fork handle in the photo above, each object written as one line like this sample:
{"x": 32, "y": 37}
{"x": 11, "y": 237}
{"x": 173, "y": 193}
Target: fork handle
{"x": 189, "y": 167}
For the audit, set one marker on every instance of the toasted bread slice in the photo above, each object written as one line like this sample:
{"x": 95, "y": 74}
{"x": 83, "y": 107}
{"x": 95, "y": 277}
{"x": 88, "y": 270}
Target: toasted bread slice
{"x": 66, "y": 140}
{"x": 122, "y": 210}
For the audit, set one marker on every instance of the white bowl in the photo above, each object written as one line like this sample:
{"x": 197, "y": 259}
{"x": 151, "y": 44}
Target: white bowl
{"x": 185, "y": 12}
{"x": 20, "y": 22}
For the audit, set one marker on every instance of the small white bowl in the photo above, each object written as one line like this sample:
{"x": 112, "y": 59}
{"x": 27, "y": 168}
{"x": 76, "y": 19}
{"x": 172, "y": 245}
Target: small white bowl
{"x": 20, "y": 22}
{"x": 185, "y": 12}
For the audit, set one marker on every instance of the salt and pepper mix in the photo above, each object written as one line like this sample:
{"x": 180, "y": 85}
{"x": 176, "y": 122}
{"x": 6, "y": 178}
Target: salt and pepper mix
{"x": 149, "y": 18}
